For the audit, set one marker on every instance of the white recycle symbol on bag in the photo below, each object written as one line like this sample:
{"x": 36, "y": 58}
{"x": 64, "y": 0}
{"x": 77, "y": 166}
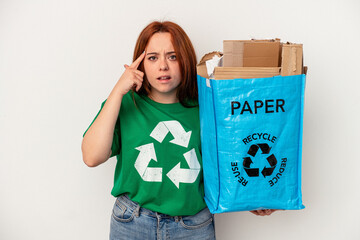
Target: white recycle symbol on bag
{"x": 176, "y": 174}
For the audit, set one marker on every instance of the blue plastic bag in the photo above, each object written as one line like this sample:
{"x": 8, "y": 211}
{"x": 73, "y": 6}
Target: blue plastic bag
{"x": 251, "y": 133}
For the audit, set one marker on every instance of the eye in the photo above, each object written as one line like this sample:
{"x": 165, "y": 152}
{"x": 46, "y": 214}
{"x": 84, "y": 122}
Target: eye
{"x": 152, "y": 58}
{"x": 172, "y": 57}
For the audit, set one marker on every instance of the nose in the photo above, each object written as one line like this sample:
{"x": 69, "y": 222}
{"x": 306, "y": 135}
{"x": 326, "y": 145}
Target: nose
{"x": 163, "y": 64}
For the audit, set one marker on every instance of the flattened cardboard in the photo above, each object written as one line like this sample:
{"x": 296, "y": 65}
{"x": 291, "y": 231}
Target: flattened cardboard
{"x": 251, "y": 53}
{"x": 245, "y": 72}
{"x": 233, "y": 53}
{"x": 292, "y": 59}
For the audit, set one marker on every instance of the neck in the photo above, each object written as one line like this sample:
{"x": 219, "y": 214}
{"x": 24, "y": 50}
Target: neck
{"x": 167, "y": 99}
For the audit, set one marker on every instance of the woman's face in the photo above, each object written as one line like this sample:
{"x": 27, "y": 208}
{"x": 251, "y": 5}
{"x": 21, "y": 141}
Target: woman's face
{"x": 162, "y": 68}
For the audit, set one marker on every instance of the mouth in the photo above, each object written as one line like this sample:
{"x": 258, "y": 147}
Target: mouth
{"x": 165, "y": 77}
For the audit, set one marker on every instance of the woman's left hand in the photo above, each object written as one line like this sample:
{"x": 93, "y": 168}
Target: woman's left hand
{"x": 265, "y": 212}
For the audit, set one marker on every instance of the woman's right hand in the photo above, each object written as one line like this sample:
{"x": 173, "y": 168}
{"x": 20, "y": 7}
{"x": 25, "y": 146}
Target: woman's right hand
{"x": 132, "y": 77}
{"x": 97, "y": 142}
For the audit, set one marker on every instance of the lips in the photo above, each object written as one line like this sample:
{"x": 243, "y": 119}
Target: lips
{"x": 164, "y": 77}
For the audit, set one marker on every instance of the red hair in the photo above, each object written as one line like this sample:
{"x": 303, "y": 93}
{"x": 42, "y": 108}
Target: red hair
{"x": 187, "y": 91}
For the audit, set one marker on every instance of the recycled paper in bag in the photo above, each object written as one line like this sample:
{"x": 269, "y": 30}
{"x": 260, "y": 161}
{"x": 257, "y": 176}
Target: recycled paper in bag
{"x": 234, "y": 72}
{"x": 251, "y": 136}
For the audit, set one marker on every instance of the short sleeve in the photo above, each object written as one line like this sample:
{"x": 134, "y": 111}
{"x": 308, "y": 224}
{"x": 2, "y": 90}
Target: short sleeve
{"x": 115, "y": 147}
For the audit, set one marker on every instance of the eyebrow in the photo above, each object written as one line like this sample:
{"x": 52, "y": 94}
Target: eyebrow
{"x": 156, "y": 53}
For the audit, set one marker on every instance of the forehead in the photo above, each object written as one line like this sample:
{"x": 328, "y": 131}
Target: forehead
{"x": 160, "y": 42}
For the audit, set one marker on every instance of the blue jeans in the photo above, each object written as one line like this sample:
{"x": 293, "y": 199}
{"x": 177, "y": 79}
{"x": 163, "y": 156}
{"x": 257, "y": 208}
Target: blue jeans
{"x": 131, "y": 222}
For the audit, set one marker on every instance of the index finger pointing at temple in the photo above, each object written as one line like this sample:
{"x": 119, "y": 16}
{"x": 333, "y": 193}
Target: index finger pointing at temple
{"x": 137, "y": 62}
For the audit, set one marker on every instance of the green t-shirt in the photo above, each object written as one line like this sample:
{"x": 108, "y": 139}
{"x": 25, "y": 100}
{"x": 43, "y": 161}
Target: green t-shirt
{"x": 158, "y": 153}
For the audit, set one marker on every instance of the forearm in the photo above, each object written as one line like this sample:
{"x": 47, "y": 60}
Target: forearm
{"x": 97, "y": 142}
{"x": 96, "y": 145}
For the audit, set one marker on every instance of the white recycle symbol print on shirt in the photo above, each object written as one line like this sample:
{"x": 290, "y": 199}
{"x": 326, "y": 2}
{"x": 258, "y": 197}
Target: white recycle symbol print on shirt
{"x": 176, "y": 174}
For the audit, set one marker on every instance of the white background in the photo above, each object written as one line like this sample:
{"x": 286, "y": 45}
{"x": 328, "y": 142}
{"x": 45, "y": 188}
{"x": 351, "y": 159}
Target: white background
{"x": 60, "y": 59}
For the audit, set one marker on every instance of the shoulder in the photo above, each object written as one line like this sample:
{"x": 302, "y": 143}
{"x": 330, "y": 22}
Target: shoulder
{"x": 130, "y": 99}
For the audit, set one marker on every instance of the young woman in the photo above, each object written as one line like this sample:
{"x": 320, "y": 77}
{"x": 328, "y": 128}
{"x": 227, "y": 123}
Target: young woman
{"x": 150, "y": 122}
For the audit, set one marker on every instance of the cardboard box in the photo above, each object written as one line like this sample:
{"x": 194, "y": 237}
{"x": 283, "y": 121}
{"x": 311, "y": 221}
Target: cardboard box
{"x": 252, "y": 53}
{"x": 292, "y": 59}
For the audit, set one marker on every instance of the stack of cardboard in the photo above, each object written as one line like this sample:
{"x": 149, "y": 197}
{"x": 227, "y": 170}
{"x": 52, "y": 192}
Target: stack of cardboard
{"x": 255, "y": 59}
